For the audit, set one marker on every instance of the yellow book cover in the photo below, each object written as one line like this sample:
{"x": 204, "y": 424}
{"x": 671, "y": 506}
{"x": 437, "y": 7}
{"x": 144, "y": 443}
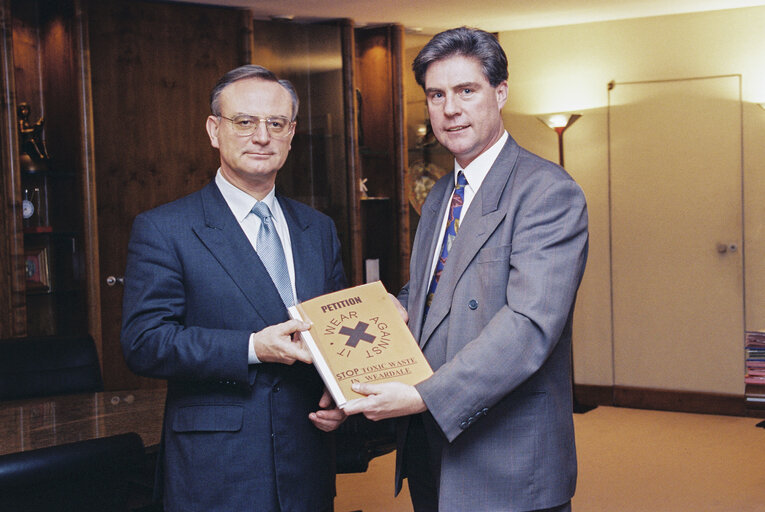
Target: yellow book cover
{"x": 358, "y": 336}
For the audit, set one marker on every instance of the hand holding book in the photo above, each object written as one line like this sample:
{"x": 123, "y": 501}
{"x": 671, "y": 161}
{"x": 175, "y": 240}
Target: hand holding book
{"x": 358, "y": 336}
{"x": 329, "y": 416}
{"x": 401, "y": 311}
{"x": 275, "y": 343}
{"x": 386, "y": 400}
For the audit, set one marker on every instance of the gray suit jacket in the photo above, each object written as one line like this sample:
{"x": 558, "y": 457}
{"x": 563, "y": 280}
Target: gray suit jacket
{"x": 498, "y": 335}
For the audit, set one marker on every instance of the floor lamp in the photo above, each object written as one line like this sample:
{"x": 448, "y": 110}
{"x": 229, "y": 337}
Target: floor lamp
{"x": 559, "y": 123}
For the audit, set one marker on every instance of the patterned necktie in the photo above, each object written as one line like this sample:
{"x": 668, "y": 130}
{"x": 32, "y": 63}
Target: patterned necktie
{"x": 271, "y": 252}
{"x": 452, "y": 226}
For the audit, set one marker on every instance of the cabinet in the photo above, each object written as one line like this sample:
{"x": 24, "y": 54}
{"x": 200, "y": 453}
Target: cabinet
{"x": 54, "y": 263}
{"x": 320, "y": 168}
{"x": 44, "y": 210}
{"x": 123, "y": 88}
{"x": 349, "y": 130}
{"x": 384, "y": 215}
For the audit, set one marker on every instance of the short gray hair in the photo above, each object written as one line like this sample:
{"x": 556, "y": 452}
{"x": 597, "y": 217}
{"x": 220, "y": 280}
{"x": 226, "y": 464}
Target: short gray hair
{"x": 468, "y": 42}
{"x": 251, "y": 71}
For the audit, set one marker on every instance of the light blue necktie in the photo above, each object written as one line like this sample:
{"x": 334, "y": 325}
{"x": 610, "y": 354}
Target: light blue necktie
{"x": 271, "y": 252}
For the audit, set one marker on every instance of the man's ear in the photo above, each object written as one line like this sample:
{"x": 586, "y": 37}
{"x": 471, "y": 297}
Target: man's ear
{"x": 212, "y": 125}
{"x": 501, "y": 91}
{"x": 293, "y": 129}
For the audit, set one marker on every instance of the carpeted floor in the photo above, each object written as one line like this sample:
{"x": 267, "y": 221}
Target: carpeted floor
{"x": 629, "y": 461}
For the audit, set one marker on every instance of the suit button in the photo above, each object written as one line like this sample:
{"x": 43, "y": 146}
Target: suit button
{"x": 473, "y": 304}
{"x": 464, "y": 425}
{"x": 276, "y": 388}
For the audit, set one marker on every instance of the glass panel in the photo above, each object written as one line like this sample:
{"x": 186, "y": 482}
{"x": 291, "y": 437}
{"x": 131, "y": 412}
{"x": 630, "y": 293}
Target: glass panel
{"x": 315, "y": 173}
{"x": 428, "y": 160}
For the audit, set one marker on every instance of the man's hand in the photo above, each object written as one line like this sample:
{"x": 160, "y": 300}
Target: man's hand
{"x": 328, "y": 417}
{"x": 400, "y": 308}
{"x": 386, "y": 400}
{"x": 279, "y": 343}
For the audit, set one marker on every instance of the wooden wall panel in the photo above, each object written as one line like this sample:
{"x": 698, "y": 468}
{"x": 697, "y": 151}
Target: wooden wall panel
{"x": 62, "y": 95}
{"x": 12, "y": 284}
{"x": 374, "y": 70}
{"x": 382, "y": 148}
{"x": 26, "y": 55}
{"x": 352, "y": 157}
{"x": 152, "y": 68}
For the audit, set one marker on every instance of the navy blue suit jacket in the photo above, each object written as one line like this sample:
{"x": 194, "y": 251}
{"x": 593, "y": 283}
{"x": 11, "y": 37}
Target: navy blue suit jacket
{"x": 235, "y": 436}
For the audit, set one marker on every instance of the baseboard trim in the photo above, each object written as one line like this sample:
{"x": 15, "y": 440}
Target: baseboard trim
{"x": 663, "y": 400}
{"x": 594, "y": 395}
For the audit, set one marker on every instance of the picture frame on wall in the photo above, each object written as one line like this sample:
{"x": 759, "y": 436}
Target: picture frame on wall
{"x": 37, "y": 270}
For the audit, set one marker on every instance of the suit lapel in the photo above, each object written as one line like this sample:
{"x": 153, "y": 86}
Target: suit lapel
{"x": 306, "y": 248}
{"x": 225, "y": 239}
{"x": 430, "y": 224}
{"x": 480, "y": 221}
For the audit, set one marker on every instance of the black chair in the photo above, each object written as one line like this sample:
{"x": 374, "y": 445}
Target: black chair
{"x": 51, "y": 365}
{"x": 92, "y": 475}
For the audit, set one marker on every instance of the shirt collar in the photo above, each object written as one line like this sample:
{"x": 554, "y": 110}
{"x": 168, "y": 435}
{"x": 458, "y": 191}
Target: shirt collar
{"x": 238, "y": 200}
{"x": 476, "y": 171}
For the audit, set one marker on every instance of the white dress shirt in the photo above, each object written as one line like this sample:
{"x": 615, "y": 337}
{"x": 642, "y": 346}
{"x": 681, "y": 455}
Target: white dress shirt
{"x": 474, "y": 173}
{"x": 241, "y": 203}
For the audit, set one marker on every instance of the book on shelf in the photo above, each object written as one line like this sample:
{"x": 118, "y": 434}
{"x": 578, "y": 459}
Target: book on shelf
{"x": 358, "y": 335}
{"x": 755, "y": 339}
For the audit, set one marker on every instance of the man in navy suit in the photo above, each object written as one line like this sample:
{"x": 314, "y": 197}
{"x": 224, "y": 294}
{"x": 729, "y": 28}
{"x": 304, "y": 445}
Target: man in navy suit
{"x": 204, "y": 309}
{"x": 490, "y": 298}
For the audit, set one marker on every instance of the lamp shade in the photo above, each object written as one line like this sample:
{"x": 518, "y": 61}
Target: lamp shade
{"x": 559, "y": 122}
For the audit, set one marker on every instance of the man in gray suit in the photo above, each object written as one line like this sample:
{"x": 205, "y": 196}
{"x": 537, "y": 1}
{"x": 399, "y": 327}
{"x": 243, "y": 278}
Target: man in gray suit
{"x": 497, "y": 260}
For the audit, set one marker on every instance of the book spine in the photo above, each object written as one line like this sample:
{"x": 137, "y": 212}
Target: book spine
{"x": 319, "y": 362}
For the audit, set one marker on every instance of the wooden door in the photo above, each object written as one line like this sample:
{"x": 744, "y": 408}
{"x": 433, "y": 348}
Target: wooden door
{"x": 152, "y": 67}
{"x": 676, "y": 214}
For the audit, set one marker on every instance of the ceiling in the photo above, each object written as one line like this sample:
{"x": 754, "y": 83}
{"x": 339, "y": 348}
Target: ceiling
{"x": 431, "y": 16}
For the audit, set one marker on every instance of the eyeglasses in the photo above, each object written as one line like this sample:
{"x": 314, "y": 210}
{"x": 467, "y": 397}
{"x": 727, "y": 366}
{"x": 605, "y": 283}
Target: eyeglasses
{"x": 245, "y": 126}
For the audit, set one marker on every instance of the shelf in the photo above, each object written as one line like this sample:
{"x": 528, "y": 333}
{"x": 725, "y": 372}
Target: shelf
{"x": 755, "y": 396}
{"x": 754, "y": 346}
{"x": 38, "y": 230}
{"x": 48, "y": 232}
{"x": 49, "y": 173}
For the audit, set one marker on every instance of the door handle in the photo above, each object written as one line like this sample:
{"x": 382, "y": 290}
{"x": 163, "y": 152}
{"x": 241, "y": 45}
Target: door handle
{"x": 112, "y": 280}
{"x": 723, "y": 248}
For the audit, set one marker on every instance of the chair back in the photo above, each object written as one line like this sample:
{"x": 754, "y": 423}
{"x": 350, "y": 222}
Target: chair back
{"x": 91, "y": 475}
{"x": 50, "y": 365}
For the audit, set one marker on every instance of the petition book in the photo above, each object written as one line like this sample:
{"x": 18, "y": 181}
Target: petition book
{"x": 358, "y": 336}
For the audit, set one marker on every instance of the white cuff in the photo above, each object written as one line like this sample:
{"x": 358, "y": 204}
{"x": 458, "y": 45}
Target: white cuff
{"x": 252, "y": 358}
